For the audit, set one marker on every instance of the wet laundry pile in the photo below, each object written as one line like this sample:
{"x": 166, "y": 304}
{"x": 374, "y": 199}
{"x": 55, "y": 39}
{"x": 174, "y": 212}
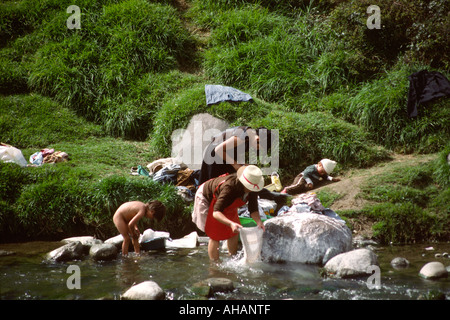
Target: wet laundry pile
{"x": 48, "y": 156}
{"x": 169, "y": 171}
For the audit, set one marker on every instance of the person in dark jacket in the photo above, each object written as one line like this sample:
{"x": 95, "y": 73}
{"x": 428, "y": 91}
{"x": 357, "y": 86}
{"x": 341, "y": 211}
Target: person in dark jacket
{"x": 312, "y": 174}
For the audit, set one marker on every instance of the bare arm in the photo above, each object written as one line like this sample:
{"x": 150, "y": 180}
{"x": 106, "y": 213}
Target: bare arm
{"x": 228, "y": 144}
{"x": 255, "y": 216}
{"x": 132, "y": 225}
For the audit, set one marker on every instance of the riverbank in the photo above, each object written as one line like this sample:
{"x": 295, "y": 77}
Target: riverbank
{"x": 397, "y": 201}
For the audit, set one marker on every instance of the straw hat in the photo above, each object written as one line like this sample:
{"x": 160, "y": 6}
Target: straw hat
{"x": 328, "y": 165}
{"x": 251, "y": 177}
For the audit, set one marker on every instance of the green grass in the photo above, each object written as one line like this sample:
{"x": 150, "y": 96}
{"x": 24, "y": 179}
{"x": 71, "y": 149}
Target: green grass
{"x": 410, "y": 205}
{"x": 111, "y": 93}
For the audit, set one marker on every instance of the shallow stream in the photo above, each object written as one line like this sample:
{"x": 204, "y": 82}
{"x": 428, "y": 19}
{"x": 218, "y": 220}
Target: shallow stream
{"x": 25, "y": 275}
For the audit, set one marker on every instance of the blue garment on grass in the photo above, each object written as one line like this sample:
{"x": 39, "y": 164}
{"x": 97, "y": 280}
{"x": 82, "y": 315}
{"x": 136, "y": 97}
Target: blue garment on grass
{"x": 217, "y": 93}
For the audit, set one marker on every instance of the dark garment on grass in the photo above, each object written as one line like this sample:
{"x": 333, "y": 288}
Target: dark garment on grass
{"x": 425, "y": 86}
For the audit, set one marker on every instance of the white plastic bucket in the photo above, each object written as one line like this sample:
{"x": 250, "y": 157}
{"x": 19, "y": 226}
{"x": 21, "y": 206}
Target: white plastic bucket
{"x": 251, "y": 238}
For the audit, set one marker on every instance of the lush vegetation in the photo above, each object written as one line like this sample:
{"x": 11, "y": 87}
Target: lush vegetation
{"x": 111, "y": 93}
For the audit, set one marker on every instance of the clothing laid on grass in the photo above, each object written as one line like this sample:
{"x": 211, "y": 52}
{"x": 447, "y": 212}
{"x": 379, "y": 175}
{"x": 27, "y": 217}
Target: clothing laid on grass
{"x": 425, "y": 86}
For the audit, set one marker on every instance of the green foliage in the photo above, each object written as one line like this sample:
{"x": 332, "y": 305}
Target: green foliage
{"x": 305, "y": 139}
{"x": 277, "y": 58}
{"x": 50, "y": 202}
{"x": 442, "y": 172}
{"x": 136, "y": 69}
{"x": 35, "y": 121}
{"x": 410, "y": 206}
{"x": 92, "y": 70}
{"x": 401, "y": 223}
{"x": 380, "y": 108}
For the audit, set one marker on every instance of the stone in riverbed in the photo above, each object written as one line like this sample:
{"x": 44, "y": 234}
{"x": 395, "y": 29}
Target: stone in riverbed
{"x": 433, "y": 270}
{"x": 86, "y": 241}
{"x": 306, "y": 238}
{"x": 147, "y": 290}
{"x": 399, "y": 263}
{"x": 210, "y": 286}
{"x": 103, "y": 252}
{"x": 67, "y": 252}
{"x": 352, "y": 264}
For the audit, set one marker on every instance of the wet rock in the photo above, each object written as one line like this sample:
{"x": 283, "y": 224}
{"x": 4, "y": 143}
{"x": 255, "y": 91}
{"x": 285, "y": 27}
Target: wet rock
{"x": 399, "y": 263}
{"x": 4, "y": 253}
{"x": 352, "y": 264}
{"x": 67, "y": 252}
{"x": 433, "y": 270}
{"x": 116, "y": 241}
{"x": 147, "y": 290}
{"x": 86, "y": 241}
{"x": 103, "y": 252}
{"x": 305, "y": 238}
{"x": 210, "y": 286}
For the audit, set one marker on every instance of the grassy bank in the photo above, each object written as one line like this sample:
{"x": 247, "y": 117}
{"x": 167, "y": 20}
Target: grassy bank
{"x": 111, "y": 93}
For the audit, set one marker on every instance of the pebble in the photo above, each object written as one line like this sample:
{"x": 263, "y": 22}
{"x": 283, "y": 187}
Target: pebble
{"x": 399, "y": 262}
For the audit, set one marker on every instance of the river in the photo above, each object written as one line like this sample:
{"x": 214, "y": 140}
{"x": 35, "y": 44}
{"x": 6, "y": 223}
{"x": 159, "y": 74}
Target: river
{"x": 25, "y": 275}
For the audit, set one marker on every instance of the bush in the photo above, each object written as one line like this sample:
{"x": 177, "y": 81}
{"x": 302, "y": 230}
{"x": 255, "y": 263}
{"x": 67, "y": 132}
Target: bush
{"x": 52, "y": 202}
{"x": 442, "y": 168}
{"x": 36, "y": 121}
{"x": 401, "y": 223}
{"x": 92, "y": 70}
{"x": 380, "y": 108}
{"x": 277, "y": 58}
{"x": 177, "y": 112}
{"x": 305, "y": 139}
{"x": 417, "y": 28}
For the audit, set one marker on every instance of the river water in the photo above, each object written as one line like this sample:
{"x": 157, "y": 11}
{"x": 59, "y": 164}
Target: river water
{"x": 26, "y": 275}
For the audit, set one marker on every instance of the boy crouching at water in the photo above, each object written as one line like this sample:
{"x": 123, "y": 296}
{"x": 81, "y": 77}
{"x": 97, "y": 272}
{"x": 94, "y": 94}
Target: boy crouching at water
{"x": 127, "y": 217}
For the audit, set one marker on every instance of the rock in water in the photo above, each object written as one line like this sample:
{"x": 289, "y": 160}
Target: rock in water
{"x": 306, "y": 238}
{"x": 104, "y": 252}
{"x": 433, "y": 270}
{"x": 70, "y": 251}
{"x": 147, "y": 290}
{"x": 352, "y": 264}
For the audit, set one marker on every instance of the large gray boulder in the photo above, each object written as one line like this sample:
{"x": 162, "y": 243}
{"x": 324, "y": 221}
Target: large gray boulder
{"x": 147, "y": 290}
{"x": 352, "y": 264}
{"x": 304, "y": 237}
{"x": 67, "y": 252}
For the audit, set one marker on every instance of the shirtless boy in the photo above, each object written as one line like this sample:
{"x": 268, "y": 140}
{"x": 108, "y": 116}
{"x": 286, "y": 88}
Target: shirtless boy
{"x": 127, "y": 217}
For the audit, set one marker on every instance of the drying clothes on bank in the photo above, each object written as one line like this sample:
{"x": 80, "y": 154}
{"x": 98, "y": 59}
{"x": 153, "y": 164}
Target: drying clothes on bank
{"x": 308, "y": 203}
{"x": 168, "y": 171}
{"x": 10, "y": 154}
{"x": 48, "y": 156}
{"x": 425, "y": 86}
{"x": 217, "y": 93}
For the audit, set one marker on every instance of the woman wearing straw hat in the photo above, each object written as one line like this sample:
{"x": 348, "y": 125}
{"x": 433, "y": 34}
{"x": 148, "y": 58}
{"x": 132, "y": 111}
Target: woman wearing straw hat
{"x": 216, "y": 204}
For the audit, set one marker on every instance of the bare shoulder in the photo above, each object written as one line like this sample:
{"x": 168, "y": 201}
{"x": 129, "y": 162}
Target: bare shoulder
{"x": 129, "y": 209}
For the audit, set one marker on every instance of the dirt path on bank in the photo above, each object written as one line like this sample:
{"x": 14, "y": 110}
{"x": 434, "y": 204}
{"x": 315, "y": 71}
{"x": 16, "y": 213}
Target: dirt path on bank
{"x": 351, "y": 182}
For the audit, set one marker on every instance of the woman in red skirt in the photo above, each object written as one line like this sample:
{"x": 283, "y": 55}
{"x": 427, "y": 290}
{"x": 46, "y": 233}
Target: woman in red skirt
{"x": 217, "y": 202}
